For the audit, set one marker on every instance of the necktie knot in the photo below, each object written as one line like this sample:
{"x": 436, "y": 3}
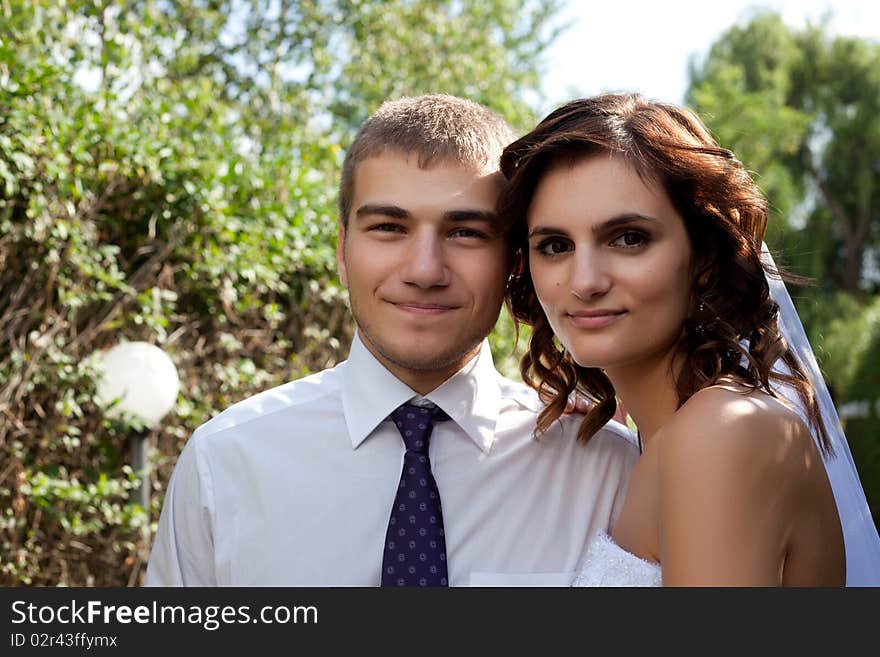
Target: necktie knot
{"x": 415, "y": 424}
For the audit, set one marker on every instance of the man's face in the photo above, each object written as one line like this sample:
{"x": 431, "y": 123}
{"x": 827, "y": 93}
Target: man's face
{"x": 424, "y": 264}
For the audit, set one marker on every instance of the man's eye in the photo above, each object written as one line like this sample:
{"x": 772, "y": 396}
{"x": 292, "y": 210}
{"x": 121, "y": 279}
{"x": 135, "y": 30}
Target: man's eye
{"x": 631, "y": 239}
{"x": 553, "y": 246}
{"x": 386, "y": 228}
{"x": 468, "y": 232}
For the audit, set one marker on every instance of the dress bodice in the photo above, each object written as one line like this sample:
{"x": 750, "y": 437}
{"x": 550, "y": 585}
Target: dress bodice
{"x": 608, "y": 564}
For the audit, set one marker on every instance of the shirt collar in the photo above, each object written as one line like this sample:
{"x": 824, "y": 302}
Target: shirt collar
{"x": 471, "y": 397}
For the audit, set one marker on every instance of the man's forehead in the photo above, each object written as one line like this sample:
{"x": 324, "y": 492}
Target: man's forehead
{"x": 402, "y": 175}
{"x": 454, "y": 196}
{"x": 430, "y": 162}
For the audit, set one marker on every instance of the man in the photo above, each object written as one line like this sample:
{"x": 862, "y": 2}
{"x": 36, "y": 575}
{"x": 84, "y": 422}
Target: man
{"x": 336, "y": 479}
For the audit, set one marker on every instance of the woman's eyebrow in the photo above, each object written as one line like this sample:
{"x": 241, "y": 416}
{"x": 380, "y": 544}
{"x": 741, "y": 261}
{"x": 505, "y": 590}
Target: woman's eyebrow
{"x": 622, "y": 220}
{"x": 609, "y": 224}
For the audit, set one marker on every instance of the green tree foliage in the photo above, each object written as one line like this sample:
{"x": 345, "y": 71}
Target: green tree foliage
{"x": 800, "y": 108}
{"x": 168, "y": 174}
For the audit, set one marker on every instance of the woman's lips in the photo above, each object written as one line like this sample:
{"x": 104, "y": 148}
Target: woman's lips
{"x": 595, "y": 319}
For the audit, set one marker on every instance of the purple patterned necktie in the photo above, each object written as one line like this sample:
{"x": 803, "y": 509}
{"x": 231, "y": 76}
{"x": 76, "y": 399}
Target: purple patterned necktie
{"x": 415, "y": 548}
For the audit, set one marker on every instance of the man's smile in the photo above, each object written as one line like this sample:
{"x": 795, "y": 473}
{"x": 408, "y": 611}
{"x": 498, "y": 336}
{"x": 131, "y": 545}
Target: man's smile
{"x": 422, "y": 308}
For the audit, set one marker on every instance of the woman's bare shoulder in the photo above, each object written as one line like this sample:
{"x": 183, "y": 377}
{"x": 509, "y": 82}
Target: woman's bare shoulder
{"x": 736, "y": 474}
{"x": 731, "y": 426}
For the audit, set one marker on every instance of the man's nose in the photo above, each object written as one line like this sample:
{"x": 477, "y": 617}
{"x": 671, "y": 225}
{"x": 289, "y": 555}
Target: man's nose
{"x": 589, "y": 276}
{"x": 424, "y": 261}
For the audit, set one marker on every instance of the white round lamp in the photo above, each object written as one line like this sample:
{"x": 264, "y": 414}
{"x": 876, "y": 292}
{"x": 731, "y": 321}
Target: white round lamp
{"x": 142, "y": 377}
{"x": 144, "y": 381}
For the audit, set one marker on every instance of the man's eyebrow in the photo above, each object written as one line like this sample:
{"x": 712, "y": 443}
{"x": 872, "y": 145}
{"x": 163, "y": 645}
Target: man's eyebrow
{"x": 610, "y": 224}
{"x": 393, "y": 211}
{"x": 471, "y": 215}
{"x": 396, "y": 212}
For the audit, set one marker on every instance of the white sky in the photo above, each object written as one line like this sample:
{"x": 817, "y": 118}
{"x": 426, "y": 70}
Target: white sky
{"x": 644, "y": 46}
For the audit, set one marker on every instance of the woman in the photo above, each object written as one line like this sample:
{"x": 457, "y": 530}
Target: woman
{"x": 641, "y": 275}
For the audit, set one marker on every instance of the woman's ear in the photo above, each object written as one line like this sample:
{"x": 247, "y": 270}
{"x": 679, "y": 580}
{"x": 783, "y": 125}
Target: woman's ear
{"x": 703, "y": 279}
{"x": 703, "y": 265}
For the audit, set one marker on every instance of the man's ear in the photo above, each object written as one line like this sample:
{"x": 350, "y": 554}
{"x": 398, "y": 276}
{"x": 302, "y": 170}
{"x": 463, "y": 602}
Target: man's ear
{"x": 340, "y": 254}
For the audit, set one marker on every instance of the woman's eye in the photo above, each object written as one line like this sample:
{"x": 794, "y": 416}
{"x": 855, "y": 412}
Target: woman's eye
{"x": 630, "y": 239}
{"x": 553, "y": 247}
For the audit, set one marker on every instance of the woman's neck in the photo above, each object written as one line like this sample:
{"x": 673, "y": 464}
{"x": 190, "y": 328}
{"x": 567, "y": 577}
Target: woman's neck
{"x": 647, "y": 390}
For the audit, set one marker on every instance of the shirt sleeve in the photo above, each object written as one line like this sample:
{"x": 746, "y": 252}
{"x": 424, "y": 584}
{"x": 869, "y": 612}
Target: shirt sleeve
{"x": 623, "y": 454}
{"x": 183, "y": 550}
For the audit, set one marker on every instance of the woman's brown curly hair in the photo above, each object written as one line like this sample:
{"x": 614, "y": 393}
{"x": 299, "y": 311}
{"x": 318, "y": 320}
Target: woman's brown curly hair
{"x": 732, "y": 331}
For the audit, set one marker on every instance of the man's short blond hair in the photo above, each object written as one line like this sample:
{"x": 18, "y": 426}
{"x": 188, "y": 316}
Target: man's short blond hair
{"x": 432, "y": 127}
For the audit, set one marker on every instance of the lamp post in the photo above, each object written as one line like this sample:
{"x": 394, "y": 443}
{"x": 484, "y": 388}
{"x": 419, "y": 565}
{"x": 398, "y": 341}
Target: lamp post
{"x": 144, "y": 380}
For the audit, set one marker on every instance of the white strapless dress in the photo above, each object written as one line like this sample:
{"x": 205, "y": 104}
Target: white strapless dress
{"x": 608, "y": 564}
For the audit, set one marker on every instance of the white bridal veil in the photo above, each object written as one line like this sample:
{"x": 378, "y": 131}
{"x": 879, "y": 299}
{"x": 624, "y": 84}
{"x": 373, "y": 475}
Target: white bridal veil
{"x": 859, "y": 532}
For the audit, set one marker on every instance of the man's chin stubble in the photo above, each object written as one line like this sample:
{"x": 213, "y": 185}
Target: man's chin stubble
{"x": 437, "y": 363}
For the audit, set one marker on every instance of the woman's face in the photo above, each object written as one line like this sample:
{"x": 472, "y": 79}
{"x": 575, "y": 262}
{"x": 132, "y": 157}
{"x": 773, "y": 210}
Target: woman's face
{"x": 611, "y": 262}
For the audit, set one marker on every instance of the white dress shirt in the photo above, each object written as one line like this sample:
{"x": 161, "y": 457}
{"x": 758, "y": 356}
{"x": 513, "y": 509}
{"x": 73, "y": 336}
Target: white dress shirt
{"x": 294, "y": 486}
